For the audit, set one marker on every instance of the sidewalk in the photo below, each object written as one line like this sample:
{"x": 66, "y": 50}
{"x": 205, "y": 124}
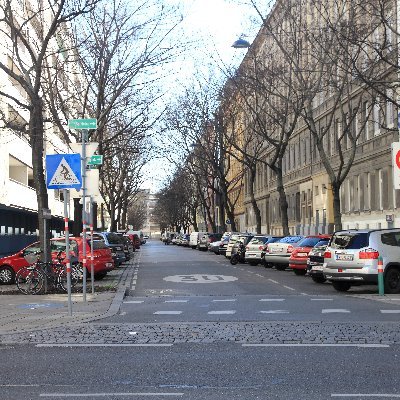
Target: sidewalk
{"x": 22, "y": 313}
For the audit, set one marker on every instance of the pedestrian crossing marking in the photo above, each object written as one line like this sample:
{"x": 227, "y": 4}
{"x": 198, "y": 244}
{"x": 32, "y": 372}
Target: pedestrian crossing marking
{"x": 64, "y": 175}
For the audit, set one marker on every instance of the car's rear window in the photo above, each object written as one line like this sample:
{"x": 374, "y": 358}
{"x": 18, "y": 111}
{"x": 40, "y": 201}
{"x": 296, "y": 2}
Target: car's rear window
{"x": 98, "y": 244}
{"x": 113, "y": 238}
{"x": 349, "y": 240}
{"x": 259, "y": 240}
{"x": 309, "y": 242}
{"x": 273, "y": 239}
{"x": 391, "y": 238}
{"x": 323, "y": 242}
{"x": 290, "y": 239}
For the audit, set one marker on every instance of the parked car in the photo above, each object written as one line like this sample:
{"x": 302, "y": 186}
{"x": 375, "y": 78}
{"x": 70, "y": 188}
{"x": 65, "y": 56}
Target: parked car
{"x": 214, "y": 246}
{"x": 129, "y": 249}
{"x": 102, "y": 261}
{"x": 315, "y": 261}
{"x": 351, "y": 258}
{"x": 278, "y": 253}
{"x": 243, "y": 238}
{"x": 223, "y": 246}
{"x": 207, "y": 239}
{"x": 233, "y": 238}
{"x": 134, "y": 239}
{"x": 195, "y": 238}
{"x": 185, "y": 240}
{"x": 255, "y": 248}
{"x": 299, "y": 256}
{"x": 113, "y": 241}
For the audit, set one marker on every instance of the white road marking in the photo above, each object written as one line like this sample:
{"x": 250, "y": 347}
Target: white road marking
{"x": 275, "y": 312}
{"x": 288, "y": 287}
{"x": 321, "y": 299}
{"x": 122, "y": 313}
{"x": 260, "y": 275}
{"x": 222, "y": 312}
{"x": 271, "y": 300}
{"x": 390, "y": 311}
{"x": 315, "y": 345}
{"x": 104, "y": 345}
{"x": 175, "y": 301}
{"x": 224, "y": 300}
{"x": 334, "y": 310}
{"x": 106, "y": 394}
{"x": 390, "y": 395}
{"x": 167, "y": 312}
{"x": 271, "y": 280}
{"x": 134, "y": 302}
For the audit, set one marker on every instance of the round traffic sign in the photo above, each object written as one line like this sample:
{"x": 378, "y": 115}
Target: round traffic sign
{"x": 198, "y": 278}
{"x": 398, "y": 159}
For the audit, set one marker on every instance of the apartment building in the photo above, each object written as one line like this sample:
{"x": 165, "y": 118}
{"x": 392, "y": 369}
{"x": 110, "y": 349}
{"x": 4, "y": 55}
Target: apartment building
{"x": 18, "y": 201}
{"x": 351, "y": 117}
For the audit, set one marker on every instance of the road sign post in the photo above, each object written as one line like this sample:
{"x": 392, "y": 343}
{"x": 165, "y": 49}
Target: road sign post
{"x": 63, "y": 171}
{"x": 83, "y": 125}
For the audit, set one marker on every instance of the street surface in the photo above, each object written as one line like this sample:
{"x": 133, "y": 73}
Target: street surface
{"x": 192, "y": 326}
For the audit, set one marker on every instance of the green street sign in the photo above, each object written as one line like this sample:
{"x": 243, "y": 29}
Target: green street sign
{"x": 95, "y": 160}
{"x": 90, "y": 123}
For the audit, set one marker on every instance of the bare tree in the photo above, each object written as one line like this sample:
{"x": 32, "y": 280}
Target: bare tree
{"x": 29, "y": 43}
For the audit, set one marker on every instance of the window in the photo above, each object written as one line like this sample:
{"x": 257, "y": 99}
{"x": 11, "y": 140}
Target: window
{"x": 367, "y": 192}
{"x": 349, "y": 241}
{"x": 366, "y": 115}
{"x": 391, "y": 239}
{"x": 389, "y": 109}
{"x": 376, "y": 112}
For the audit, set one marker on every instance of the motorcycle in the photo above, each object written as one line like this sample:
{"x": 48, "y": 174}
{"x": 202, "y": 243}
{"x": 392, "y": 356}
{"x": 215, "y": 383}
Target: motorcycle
{"x": 238, "y": 253}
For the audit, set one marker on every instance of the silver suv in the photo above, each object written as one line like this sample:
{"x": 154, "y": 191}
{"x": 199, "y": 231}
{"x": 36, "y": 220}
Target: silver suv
{"x": 351, "y": 258}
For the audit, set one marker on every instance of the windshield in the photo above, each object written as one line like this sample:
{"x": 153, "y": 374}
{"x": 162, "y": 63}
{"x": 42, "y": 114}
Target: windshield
{"x": 349, "y": 240}
{"x": 290, "y": 239}
{"x": 309, "y": 242}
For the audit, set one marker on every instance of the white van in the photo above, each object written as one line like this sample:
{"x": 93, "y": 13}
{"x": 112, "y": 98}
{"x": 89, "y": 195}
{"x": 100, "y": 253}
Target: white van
{"x": 194, "y": 239}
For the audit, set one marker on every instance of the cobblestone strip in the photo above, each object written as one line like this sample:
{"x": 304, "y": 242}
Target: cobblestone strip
{"x": 240, "y": 332}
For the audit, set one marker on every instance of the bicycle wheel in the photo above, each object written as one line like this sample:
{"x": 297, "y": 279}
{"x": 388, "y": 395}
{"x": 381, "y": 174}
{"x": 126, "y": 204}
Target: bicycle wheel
{"x": 29, "y": 280}
{"x": 62, "y": 278}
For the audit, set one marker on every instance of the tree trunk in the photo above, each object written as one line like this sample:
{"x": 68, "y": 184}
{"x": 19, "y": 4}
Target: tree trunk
{"x": 253, "y": 201}
{"x": 102, "y": 219}
{"x": 77, "y": 218}
{"x": 95, "y": 212}
{"x": 337, "y": 216}
{"x": 283, "y": 205}
{"x": 36, "y": 133}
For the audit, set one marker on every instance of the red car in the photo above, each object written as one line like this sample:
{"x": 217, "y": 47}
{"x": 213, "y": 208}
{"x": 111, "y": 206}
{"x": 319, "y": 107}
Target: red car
{"x": 134, "y": 239}
{"x": 298, "y": 258}
{"x": 102, "y": 261}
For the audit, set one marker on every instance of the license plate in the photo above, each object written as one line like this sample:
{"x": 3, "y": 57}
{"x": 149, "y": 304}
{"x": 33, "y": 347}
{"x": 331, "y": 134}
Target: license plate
{"x": 316, "y": 268}
{"x": 302, "y": 254}
{"x": 250, "y": 255}
{"x": 344, "y": 257}
{"x": 113, "y": 254}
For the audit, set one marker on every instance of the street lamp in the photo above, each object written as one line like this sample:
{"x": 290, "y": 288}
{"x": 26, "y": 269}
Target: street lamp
{"x": 241, "y": 44}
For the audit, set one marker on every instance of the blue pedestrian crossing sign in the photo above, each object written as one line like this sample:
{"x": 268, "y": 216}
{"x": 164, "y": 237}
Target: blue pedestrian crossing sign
{"x": 63, "y": 171}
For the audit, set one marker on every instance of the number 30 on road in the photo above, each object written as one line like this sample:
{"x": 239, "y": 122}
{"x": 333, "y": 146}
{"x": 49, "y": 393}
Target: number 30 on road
{"x": 198, "y": 278}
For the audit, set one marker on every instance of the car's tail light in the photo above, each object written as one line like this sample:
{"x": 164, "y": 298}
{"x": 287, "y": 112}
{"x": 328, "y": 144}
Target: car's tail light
{"x": 260, "y": 247}
{"x": 327, "y": 254}
{"x": 247, "y": 247}
{"x": 368, "y": 254}
{"x": 289, "y": 249}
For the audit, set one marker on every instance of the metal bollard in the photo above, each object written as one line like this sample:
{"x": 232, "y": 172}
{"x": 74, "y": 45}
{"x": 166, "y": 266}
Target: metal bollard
{"x": 381, "y": 286}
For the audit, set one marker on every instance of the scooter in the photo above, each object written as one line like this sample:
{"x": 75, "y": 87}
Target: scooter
{"x": 238, "y": 253}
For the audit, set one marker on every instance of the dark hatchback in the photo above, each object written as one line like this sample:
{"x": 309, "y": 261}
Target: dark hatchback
{"x": 113, "y": 242}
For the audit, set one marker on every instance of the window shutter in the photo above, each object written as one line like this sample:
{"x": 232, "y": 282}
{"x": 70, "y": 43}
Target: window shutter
{"x": 390, "y": 188}
{"x": 385, "y": 189}
{"x": 361, "y": 190}
{"x": 351, "y": 194}
{"x": 372, "y": 190}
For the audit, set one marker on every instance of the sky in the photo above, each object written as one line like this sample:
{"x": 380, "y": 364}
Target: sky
{"x": 215, "y": 24}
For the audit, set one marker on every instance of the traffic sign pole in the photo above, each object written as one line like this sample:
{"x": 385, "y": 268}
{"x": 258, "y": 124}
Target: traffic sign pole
{"x": 91, "y": 245}
{"x": 67, "y": 252}
{"x": 84, "y": 133}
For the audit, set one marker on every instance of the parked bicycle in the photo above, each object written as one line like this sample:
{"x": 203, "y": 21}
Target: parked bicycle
{"x": 31, "y": 279}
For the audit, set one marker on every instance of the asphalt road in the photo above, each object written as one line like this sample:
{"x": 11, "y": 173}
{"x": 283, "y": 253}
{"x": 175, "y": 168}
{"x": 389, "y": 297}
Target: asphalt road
{"x": 196, "y": 327}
